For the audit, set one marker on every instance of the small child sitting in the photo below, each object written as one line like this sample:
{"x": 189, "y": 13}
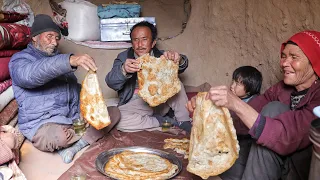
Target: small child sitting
{"x": 246, "y": 82}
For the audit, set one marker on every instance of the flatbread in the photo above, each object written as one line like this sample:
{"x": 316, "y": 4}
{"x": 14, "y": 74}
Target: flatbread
{"x": 213, "y": 142}
{"x": 92, "y": 105}
{"x": 181, "y": 146}
{"x": 139, "y": 165}
{"x": 158, "y": 79}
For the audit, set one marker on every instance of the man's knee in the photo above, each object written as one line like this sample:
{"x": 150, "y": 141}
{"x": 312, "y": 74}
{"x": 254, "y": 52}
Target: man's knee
{"x": 51, "y": 137}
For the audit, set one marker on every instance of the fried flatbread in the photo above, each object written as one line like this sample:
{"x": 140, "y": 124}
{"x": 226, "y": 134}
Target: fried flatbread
{"x": 92, "y": 104}
{"x": 139, "y": 165}
{"x": 158, "y": 79}
{"x": 213, "y": 142}
{"x": 181, "y": 146}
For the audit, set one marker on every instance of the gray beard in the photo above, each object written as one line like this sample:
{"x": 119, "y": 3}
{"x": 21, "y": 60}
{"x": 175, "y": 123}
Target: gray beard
{"x": 38, "y": 46}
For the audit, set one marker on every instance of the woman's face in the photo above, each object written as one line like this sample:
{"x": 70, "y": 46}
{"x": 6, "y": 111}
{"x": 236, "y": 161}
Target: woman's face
{"x": 297, "y": 70}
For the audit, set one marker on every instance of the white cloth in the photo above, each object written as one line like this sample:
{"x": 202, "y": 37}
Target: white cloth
{"x": 6, "y": 97}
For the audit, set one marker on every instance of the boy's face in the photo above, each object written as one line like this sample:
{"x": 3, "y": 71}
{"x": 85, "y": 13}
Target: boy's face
{"x": 238, "y": 89}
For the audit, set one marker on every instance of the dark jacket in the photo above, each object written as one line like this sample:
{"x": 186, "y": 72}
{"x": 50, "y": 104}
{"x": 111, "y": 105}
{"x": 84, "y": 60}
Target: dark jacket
{"x": 125, "y": 86}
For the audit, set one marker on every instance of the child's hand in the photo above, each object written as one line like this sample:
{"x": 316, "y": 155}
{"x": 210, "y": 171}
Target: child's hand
{"x": 9, "y": 139}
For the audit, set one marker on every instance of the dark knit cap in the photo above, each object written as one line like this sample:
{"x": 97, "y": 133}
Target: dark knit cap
{"x": 43, "y": 23}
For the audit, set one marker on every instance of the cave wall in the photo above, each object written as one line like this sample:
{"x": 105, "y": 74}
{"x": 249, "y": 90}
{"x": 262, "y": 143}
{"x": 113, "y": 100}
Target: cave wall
{"x": 220, "y": 36}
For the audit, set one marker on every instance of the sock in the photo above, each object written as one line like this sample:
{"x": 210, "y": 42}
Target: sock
{"x": 67, "y": 154}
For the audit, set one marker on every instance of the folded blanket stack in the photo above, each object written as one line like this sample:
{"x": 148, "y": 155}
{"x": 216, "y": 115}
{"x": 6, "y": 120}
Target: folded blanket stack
{"x": 13, "y": 37}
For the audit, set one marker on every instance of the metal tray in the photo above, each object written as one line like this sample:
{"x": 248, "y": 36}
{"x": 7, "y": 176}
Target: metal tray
{"x": 104, "y": 157}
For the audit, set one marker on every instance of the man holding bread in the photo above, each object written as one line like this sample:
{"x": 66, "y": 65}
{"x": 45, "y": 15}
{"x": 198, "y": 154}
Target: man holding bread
{"x": 273, "y": 128}
{"x": 47, "y": 92}
{"x": 136, "y": 114}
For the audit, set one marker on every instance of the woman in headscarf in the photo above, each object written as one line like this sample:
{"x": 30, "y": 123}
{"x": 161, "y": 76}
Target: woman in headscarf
{"x": 277, "y": 121}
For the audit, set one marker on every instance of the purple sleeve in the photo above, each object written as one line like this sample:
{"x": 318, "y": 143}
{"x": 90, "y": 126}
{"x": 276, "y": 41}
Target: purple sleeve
{"x": 257, "y": 127}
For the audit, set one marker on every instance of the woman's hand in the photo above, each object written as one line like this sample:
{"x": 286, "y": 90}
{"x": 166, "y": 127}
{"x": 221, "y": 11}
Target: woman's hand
{"x": 223, "y": 96}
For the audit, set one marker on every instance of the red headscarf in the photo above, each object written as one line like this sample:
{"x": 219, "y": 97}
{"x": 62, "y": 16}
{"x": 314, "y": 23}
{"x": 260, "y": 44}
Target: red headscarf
{"x": 309, "y": 43}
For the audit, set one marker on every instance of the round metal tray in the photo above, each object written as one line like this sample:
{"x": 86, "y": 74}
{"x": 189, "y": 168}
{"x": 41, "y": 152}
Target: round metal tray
{"x": 104, "y": 157}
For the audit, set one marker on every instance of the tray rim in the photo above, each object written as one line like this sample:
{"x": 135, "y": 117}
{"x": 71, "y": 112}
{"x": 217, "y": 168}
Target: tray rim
{"x": 180, "y": 165}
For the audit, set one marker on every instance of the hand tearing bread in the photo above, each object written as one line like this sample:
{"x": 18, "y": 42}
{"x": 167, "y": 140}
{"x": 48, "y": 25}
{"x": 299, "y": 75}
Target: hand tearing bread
{"x": 158, "y": 79}
{"x": 92, "y": 105}
{"x": 213, "y": 142}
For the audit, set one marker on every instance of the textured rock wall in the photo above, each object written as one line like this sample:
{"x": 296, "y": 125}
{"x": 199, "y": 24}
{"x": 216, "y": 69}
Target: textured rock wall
{"x": 220, "y": 36}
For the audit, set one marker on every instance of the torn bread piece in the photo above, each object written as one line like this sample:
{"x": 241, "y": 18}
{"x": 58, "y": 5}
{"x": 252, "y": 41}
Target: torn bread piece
{"x": 213, "y": 142}
{"x": 158, "y": 79}
{"x": 92, "y": 105}
{"x": 181, "y": 146}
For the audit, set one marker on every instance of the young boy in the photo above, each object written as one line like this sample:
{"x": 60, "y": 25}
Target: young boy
{"x": 246, "y": 82}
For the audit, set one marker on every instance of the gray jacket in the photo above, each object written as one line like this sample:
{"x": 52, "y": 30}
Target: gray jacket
{"x": 45, "y": 88}
{"x": 125, "y": 86}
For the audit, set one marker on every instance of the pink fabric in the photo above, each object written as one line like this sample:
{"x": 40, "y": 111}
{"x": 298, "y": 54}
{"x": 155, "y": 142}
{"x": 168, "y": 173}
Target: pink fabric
{"x": 5, "y": 85}
{"x": 6, "y": 153}
{"x": 14, "y": 36}
{"x": 11, "y": 156}
{"x": 309, "y": 43}
{"x": 12, "y": 17}
{"x": 8, "y": 113}
{"x": 7, "y": 53}
{"x": 4, "y": 66}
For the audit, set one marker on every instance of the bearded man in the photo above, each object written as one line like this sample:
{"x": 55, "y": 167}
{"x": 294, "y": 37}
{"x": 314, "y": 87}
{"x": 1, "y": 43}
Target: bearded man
{"x": 47, "y": 92}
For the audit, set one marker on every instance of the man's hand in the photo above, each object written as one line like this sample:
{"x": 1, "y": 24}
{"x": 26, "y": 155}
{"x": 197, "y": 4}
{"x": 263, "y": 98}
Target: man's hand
{"x": 84, "y": 61}
{"x": 191, "y": 105}
{"x": 9, "y": 139}
{"x": 172, "y": 55}
{"x": 131, "y": 66}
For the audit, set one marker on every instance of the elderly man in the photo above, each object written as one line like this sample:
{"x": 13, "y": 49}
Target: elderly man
{"x": 47, "y": 92}
{"x": 277, "y": 121}
{"x": 135, "y": 113}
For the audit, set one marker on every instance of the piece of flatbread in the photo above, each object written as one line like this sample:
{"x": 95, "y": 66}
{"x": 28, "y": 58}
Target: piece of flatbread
{"x": 139, "y": 165}
{"x": 213, "y": 142}
{"x": 158, "y": 79}
{"x": 92, "y": 104}
{"x": 181, "y": 146}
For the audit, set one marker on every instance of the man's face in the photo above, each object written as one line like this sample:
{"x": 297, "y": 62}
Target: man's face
{"x": 297, "y": 69}
{"x": 47, "y": 42}
{"x": 141, "y": 38}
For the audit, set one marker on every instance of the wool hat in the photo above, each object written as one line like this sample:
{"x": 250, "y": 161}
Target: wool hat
{"x": 43, "y": 23}
{"x": 309, "y": 43}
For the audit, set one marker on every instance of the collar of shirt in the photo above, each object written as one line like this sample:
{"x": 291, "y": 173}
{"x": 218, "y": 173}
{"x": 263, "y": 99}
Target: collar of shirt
{"x": 151, "y": 54}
